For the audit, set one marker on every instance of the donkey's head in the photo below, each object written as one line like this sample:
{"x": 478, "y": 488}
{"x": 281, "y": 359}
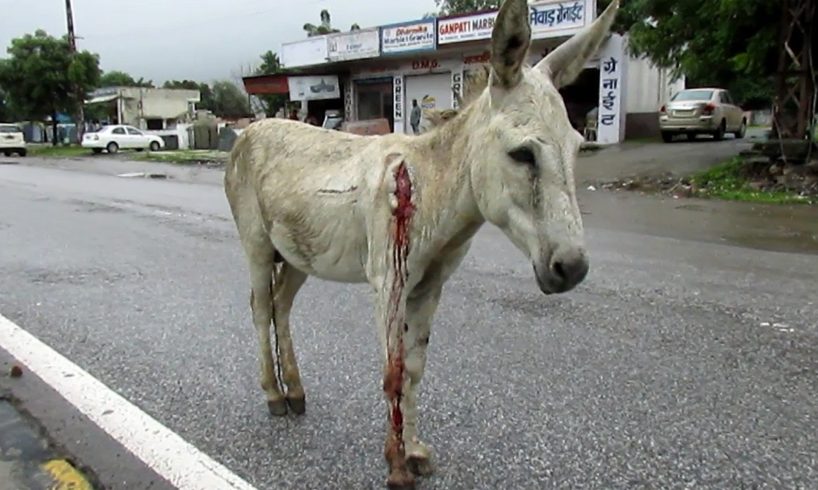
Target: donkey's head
{"x": 522, "y": 147}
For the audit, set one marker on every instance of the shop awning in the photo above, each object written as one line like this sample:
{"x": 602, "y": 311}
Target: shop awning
{"x": 102, "y": 98}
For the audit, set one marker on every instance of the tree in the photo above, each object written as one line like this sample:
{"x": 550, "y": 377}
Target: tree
{"x": 449, "y": 7}
{"x": 730, "y": 43}
{"x": 270, "y": 65}
{"x": 6, "y": 112}
{"x": 117, "y": 78}
{"x": 42, "y": 77}
{"x": 229, "y": 100}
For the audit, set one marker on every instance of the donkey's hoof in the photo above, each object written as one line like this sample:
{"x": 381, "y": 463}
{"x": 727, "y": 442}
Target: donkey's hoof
{"x": 400, "y": 479}
{"x": 297, "y": 404}
{"x": 420, "y": 465}
{"x": 277, "y": 407}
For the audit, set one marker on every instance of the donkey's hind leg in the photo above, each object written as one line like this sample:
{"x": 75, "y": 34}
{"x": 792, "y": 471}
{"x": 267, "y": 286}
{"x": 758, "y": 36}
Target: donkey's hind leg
{"x": 261, "y": 302}
{"x": 288, "y": 281}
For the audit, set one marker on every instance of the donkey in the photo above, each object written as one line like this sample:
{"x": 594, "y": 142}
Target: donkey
{"x": 399, "y": 212}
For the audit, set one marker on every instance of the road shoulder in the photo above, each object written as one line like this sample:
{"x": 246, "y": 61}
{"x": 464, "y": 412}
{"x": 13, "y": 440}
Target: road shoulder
{"x": 75, "y": 446}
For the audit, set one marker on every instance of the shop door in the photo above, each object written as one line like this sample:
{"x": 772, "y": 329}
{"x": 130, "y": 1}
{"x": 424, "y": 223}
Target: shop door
{"x": 432, "y": 91}
{"x": 374, "y": 99}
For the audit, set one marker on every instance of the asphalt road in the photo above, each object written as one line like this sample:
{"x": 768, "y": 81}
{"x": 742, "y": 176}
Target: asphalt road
{"x": 678, "y": 363}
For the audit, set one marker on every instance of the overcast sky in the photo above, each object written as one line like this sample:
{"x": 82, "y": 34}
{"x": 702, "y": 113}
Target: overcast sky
{"x": 200, "y": 40}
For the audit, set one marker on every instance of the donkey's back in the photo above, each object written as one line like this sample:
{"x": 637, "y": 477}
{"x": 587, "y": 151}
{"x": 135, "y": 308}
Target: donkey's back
{"x": 303, "y": 190}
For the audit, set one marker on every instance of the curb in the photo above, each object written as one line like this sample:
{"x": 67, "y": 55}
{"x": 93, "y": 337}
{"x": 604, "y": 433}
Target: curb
{"x": 28, "y": 461}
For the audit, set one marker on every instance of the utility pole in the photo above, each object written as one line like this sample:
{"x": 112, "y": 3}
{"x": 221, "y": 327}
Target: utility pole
{"x": 72, "y": 44}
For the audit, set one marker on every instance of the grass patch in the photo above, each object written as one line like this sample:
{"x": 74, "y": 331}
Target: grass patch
{"x": 184, "y": 156}
{"x": 729, "y": 181}
{"x": 60, "y": 151}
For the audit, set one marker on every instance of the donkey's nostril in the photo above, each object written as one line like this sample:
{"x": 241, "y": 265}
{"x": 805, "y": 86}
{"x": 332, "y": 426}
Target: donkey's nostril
{"x": 569, "y": 269}
{"x": 559, "y": 271}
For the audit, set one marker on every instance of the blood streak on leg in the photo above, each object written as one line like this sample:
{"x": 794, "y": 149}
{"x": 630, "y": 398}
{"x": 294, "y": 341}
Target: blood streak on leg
{"x": 393, "y": 380}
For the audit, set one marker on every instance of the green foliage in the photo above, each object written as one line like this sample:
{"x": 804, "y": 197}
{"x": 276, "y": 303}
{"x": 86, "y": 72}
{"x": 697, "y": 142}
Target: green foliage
{"x": 270, "y": 64}
{"x": 729, "y": 181}
{"x": 67, "y": 151}
{"x": 117, "y": 78}
{"x": 727, "y": 43}
{"x": 41, "y": 76}
{"x": 229, "y": 100}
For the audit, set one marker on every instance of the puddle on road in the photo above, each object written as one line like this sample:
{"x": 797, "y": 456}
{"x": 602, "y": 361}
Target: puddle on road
{"x": 766, "y": 227}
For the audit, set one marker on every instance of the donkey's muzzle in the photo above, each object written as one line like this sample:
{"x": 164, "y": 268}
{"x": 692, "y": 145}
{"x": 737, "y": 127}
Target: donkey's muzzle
{"x": 566, "y": 269}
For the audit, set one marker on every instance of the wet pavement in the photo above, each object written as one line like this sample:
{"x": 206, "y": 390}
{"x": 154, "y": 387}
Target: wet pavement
{"x": 688, "y": 358}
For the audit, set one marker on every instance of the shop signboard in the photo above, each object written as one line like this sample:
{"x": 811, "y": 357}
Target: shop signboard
{"x": 548, "y": 18}
{"x": 354, "y": 45}
{"x": 465, "y": 27}
{"x": 551, "y": 18}
{"x": 408, "y": 37}
{"x": 314, "y": 87}
{"x": 306, "y": 52}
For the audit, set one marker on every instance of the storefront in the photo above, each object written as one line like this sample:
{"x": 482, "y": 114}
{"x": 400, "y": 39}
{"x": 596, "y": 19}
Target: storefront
{"x": 383, "y": 72}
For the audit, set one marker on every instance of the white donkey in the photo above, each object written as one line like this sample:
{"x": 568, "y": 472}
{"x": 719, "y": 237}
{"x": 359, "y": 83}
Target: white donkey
{"x": 399, "y": 212}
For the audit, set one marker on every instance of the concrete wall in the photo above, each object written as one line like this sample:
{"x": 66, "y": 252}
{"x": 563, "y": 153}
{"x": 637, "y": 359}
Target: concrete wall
{"x": 648, "y": 88}
{"x": 155, "y": 104}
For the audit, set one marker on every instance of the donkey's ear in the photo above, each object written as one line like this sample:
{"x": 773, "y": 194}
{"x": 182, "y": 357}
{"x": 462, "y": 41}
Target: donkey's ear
{"x": 509, "y": 43}
{"x": 564, "y": 64}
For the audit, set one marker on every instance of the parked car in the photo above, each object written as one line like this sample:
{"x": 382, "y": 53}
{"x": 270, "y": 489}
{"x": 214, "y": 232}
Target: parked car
{"x": 118, "y": 136}
{"x": 701, "y": 111}
{"x": 11, "y": 140}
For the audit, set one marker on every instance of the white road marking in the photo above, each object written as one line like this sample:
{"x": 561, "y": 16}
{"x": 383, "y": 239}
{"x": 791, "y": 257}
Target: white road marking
{"x": 173, "y": 458}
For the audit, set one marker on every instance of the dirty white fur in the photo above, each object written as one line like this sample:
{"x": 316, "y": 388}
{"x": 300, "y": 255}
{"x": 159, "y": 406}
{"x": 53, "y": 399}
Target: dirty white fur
{"x": 322, "y": 200}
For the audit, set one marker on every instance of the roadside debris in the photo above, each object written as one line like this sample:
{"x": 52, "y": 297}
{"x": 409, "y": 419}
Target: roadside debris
{"x": 16, "y": 371}
{"x": 144, "y": 175}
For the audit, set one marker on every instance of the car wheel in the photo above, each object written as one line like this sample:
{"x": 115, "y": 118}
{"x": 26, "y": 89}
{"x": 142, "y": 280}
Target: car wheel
{"x": 7, "y": 153}
{"x": 667, "y": 136}
{"x": 112, "y": 147}
{"x": 719, "y": 134}
{"x": 154, "y": 146}
{"x": 22, "y": 153}
{"x": 742, "y": 129}
{"x": 96, "y": 151}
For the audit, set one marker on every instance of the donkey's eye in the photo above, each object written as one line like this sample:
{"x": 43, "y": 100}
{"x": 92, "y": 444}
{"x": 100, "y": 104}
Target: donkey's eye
{"x": 523, "y": 155}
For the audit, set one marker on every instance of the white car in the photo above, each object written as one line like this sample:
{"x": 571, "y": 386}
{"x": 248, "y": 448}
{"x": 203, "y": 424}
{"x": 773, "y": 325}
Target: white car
{"x": 11, "y": 140}
{"x": 118, "y": 136}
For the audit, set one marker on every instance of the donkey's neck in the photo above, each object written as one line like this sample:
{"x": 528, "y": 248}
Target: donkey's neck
{"x": 449, "y": 208}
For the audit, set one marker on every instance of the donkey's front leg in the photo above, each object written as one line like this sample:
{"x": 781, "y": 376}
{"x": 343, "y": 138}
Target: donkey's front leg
{"x": 420, "y": 309}
{"x": 391, "y": 332}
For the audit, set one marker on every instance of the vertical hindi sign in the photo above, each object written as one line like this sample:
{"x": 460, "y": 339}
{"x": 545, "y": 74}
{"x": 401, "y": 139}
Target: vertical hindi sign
{"x": 611, "y": 69}
{"x": 397, "y": 93}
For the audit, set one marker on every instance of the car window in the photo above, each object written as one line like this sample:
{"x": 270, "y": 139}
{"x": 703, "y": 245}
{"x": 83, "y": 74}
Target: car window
{"x": 10, "y": 129}
{"x": 134, "y": 131}
{"x": 728, "y": 98}
{"x": 692, "y": 95}
{"x": 118, "y": 131}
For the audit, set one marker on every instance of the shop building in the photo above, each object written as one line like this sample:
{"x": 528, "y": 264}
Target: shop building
{"x": 381, "y": 72}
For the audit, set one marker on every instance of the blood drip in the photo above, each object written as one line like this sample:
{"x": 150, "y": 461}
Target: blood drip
{"x": 393, "y": 383}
